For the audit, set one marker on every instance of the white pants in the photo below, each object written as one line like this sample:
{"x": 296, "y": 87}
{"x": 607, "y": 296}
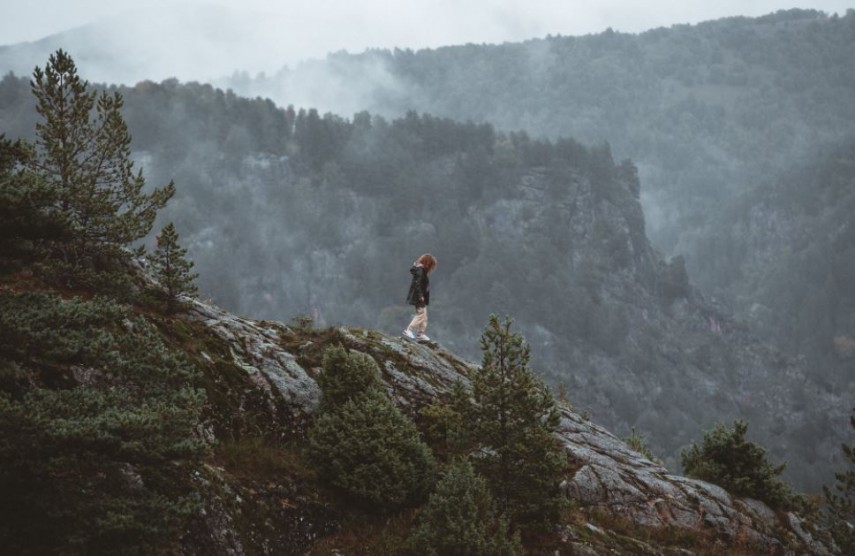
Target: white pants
{"x": 419, "y": 322}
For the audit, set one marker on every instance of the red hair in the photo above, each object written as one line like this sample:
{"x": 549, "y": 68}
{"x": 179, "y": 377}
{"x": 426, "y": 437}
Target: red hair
{"x": 428, "y": 261}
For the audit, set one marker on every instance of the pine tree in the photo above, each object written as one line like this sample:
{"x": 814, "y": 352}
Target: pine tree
{"x": 173, "y": 268}
{"x": 27, "y": 217}
{"x": 361, "y": 443}
{"x": 346, "y": 375}
{"x": 511, "y": 419}
{"x": 88, "y": 161}
{"x": 841, "y": 502}
{"x": 727, "y": 459}
{"x": 100, "y": 468}
{"x": 371, "y": 451}
{"x": 460, "y": 518}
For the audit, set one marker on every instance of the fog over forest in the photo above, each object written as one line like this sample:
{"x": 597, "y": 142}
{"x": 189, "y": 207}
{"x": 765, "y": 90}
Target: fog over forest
{"x": 666, "y": 213}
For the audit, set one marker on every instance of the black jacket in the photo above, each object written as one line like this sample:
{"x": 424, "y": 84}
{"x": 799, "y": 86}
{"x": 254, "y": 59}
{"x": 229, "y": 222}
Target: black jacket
{"x": 419, "y": 287}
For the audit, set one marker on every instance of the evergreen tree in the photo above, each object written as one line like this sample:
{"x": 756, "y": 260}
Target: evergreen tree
{"x": 442, "y": 427}
{"x": 27, "y": 218}
{"x": 725, "y": 458}
{"x": 99, "y": 468}
{"x": 88, "y": 161}
{"x": 460, "y": 518}
{"x": 371, "y": 451}
{"x": 841, "y": 502}
{"x": 173, "y": 268}
{"x": 511, "y": 419}
{"x": 361, "y": 443}
{"x": 346, "y": 375}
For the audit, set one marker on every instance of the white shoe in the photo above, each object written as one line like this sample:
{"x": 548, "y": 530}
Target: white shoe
{"x": 423, "y": 337}
{"x": 409, "y": 334}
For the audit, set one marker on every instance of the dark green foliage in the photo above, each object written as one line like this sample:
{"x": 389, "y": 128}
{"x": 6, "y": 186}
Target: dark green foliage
{"x": 442, "y": 425}
{"x": 725, "y": 458}
{"x": 372, "y": 452}
{"x": 27, "y": 219}
{"x": 102, "y": 466}
{"x": 88, "y": 163}
{"x": 361, "y": 443}
{"x": 510, "y": 420}
{"x": 99, "y": 419}
{"x": 346, "y": 375}
{"x": 841, "y": 502}
{"x": 460, "y": 518}
{"x": 29, "y": 324}
{"x": 173, "y": 269}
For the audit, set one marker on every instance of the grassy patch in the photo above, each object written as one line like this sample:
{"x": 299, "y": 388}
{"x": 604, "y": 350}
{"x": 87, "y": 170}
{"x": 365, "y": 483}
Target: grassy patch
{"x": 360, "y": 536}
{"x": 254, "y": 456}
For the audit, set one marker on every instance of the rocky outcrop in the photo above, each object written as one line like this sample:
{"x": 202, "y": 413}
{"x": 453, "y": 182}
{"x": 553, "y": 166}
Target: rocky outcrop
{"x": 615, "y": 479}
{"x": 621, "y": 495}
{"x": 255, "y": 348}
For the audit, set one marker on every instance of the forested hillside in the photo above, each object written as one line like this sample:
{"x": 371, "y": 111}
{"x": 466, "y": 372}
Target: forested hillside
{"x": 741, "y": 130}
{"x": 786, "y": 252}
{"x": 707, "y": 112}
{"x": 289, "y": 212}
{"x": 704, "y": 110}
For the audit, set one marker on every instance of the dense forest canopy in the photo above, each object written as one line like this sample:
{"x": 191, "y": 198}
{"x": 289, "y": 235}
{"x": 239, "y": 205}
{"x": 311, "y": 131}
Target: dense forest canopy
{"x": 705, "y": 111}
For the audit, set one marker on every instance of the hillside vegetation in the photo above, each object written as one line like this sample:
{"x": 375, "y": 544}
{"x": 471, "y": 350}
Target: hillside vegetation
{"x": 292, "y": 212}
{"x": 138, "y": 419}
{"x": 719, "y": 117}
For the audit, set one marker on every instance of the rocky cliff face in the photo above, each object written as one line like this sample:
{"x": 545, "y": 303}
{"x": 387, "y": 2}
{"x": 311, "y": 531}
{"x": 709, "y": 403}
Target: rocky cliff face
{"x": 633, "y": 342}
{"x": 260, "y": 382}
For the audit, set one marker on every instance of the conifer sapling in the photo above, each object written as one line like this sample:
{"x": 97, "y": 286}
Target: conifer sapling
{"x": 511, "y": 419}
{"x": 173, "y": 268}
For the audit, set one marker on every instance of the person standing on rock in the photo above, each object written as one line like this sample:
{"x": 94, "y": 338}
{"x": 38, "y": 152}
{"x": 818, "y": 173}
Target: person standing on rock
{"x": 419, "y": 296}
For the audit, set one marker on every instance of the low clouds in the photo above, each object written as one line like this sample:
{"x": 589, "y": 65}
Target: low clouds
{"x": 199, "y": 40}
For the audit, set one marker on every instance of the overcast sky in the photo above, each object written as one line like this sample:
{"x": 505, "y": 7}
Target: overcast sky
{"x": 329, "y": 25}
{"x": 205, "y": 40}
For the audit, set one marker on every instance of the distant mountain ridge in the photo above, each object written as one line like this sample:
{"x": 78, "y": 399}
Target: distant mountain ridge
{"x": 200, "y": 42}
{"x": 704, "y": 110}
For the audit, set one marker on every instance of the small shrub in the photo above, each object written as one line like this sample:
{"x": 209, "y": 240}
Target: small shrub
{"x": 460, "y": 518}
{"x": 303, "y": 323}
{"x": 371, "y": 451}
{"x": 173, "y": 269}
{"x": 442, "y": 426}
{"x": 346, "y": 375}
